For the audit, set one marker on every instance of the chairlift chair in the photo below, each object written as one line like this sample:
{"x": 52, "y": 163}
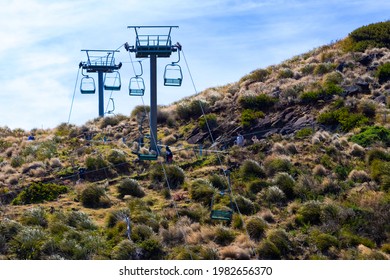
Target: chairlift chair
{"x": 136, "y": 86}
{"x": 173, "y": 75}
{"x": 87, "y": 84}
{"x": 112, "y": 81}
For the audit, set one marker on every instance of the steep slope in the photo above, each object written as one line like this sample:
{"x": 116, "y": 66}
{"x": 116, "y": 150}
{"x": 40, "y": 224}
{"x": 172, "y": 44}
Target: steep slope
{"x": 310, "y": 182}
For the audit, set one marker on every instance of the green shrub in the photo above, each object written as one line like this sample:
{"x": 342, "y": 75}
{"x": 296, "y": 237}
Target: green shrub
{"x": 304, "y": 132}
{"x": 124, "y": 250}
{"x": 286, "y": 183}
{"x": 218, "y": 182}
{"x": 39, "y": 192}
{"x": 116, "y": 157}
{"x": 91, "y": 196}
{"x": 28, "y": 243}
{"x": 285, "y": 73}
{"x": 371, "y": 135}
{"x": 249, "y": 117}
{"x": 259, "y": 75}
{"x": 308, "y": 69}
{"x": 273, "y": 194}
{"x": 268, "y": 250}
{"x": 130, "y": 187}
{"x": 377, "y": 153}
{"x": 333, "y": 78}
{"x": 280, "y": 239}
{"x": 34, "y": 217}
{"x": 375, "y": 35}
{"x": 208, "y": 121}
{"x": 273, "y": 165}
{"x": 324, "y": 241}
{"x": 309, "y": 213}
{"x": 191, "y": 110}
{"x": 17, "y": 161}
{"x": 140, "y": 110}
{"x": 323, "y": 68}
{"x": 201, "y": 191}
{"x": 251, "y": 169}
{"x": 383, "y": 73}
{"x": 257, "y": 102}
{"x": 256, "y": 227}
{"x": 151, "y": 249}
{"x": 244, "y": 205}
{"x": 95, "y": 163}
{"x": 224, "y": 236}
{"x": 344, "y": 118}
{"x": 257, "y": 186}
{"x": 141, "y": 233}
{"x": 79, "y": 220}
{"x": 173, "y": 176}
{"x": 109, "y": 121}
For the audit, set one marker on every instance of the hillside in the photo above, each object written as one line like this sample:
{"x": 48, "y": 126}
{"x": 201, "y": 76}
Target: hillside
{"x": 312, "y": 180}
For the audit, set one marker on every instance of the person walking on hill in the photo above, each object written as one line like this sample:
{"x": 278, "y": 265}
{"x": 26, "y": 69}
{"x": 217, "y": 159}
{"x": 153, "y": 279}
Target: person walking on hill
{"x": 168, "y": 155}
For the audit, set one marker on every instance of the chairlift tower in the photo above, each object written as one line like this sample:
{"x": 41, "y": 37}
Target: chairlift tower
{"x": 153, "y": 42}
{"x": 100, "y": 61}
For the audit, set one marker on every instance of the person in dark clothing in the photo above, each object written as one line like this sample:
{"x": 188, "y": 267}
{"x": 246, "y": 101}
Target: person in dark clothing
{"x": 168, "y": 155}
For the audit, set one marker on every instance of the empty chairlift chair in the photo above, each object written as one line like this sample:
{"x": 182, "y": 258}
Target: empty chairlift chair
{"x": 173, "y": 76}
{"x": 137, "y": 84}
{"x": 112, "y": 81}
{"x": 87, "y": 85}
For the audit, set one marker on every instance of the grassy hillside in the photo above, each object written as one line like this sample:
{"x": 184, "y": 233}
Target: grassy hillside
{"x": 312, "y": 180}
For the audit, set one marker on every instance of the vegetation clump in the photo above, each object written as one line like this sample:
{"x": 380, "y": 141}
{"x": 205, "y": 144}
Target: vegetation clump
{"x": 40, "y": 192}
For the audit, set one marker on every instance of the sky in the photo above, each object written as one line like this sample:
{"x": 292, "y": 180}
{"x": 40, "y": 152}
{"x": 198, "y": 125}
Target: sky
{"x": 223, "y": 40}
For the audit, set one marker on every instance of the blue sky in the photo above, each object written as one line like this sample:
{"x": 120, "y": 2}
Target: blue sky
{"x": 222, "y": 40}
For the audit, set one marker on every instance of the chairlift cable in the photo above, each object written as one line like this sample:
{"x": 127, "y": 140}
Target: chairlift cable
{"x": 74, "y": 94}
{"x": 154, "y": 138}
{"x": 213, "y": 141}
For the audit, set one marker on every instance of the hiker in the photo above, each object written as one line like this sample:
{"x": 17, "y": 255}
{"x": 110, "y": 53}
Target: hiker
{"x": 239, "y": 140}
{"x": 168, "y": 155}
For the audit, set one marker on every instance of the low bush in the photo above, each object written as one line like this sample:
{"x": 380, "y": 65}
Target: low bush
{"x": 116, "y": 157}
{"x": 259, "y": 75}
{"x": 344, "y": 118}
{"x": 218, "y": 182}
{"x": 130, "y": 187}
{"x": 141, "y": 233}
{"x": 257, "y": 102}
{"x": 324, "y": 241}
{"x": 375, "y": 35}
{"x": 371, "y": 135}
{"x": 281, "y": 240}
{"x": 273, "y": 165}
{"x": 34, "y": 217}
{"x": 273, "y": 194}
{"x": 201, "y": 191}
{"x": 28, "y": 243}
{"x": 244, "y": 205}
{"x": 173, "y": 177}
{"x": 124, "y": 250}
{"x": 251, "y": 169}
{"x": 256, "y": 227}
{"x": 250, "y": 117}
{"x": 39, "y": 192}
{"x": 208, "y": 121}
{"x": 309, "y": 213}
{"x": 268, "y": 250}
{"x": 95, "y": 163}
{"x": 191, "y": 110}
{"x": 286, "y": 183}
{"x": 91, "y": 196}
{"x": 257, "y": 186}
{"x": 224, "y": 236}
{"x": 383, "y": 73}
